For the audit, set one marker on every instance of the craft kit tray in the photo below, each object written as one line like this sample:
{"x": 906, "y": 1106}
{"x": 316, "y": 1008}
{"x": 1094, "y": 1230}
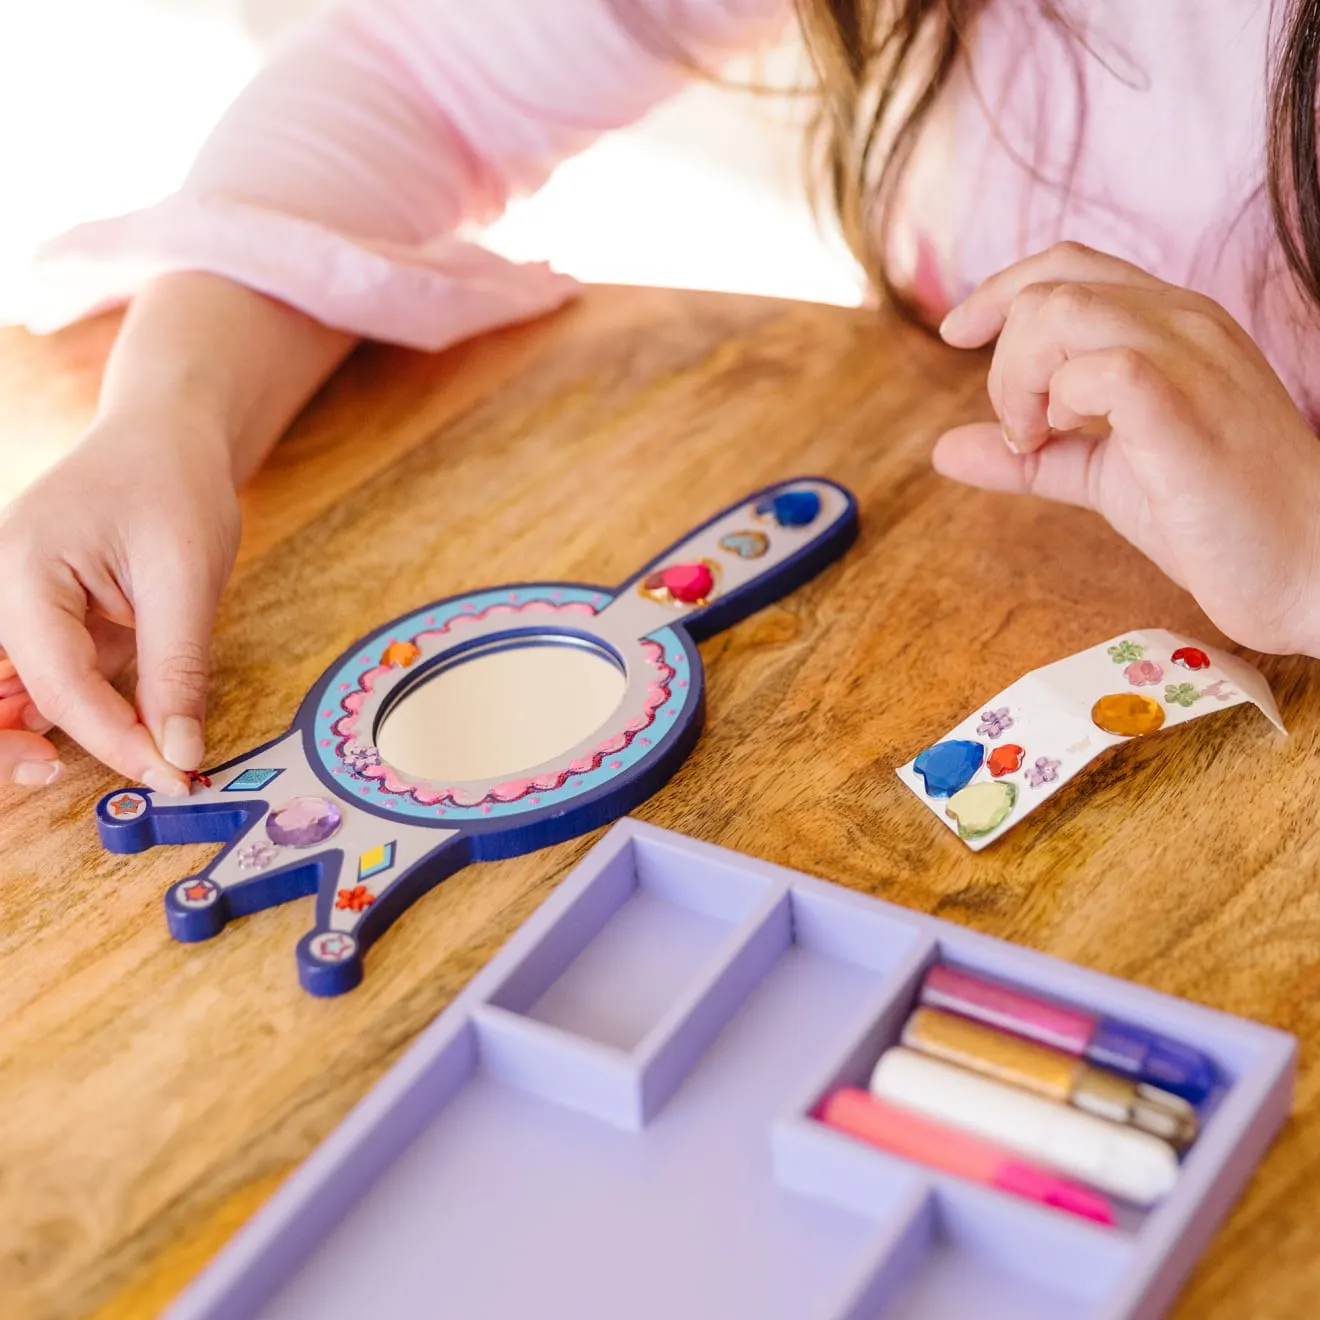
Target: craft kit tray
{"x": 616, "y": 1119}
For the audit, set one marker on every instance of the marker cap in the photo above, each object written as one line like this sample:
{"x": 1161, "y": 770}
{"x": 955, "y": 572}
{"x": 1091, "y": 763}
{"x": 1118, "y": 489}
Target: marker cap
{"x": 1164, "y": 1063}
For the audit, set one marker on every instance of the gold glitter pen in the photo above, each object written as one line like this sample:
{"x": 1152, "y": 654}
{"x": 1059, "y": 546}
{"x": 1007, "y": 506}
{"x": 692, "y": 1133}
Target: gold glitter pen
{"x": 1051, "y": 1073}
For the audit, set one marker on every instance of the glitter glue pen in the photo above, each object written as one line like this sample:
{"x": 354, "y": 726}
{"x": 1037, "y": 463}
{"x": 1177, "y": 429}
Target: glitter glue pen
{"x": 901, "y": 1132}
{"x": 1105, "y": 1042}
{"x": 1131, "y": 1165}
{"x": 1051, "y": 1073}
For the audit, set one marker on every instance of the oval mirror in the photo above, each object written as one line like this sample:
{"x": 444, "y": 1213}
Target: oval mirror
{"x": 498, "y": 713}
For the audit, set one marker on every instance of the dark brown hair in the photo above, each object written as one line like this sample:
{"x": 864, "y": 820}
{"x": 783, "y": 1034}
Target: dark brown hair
{"x": 880, "y": 66}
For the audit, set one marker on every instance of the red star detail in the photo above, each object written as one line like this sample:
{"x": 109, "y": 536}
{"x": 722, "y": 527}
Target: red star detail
{"x": 354, "y": 900}
{"x": 335, "y": 946}
{"x": 124, "y": 806}
{"x": 195, "y": 778}
{"x": 197, "y": 891}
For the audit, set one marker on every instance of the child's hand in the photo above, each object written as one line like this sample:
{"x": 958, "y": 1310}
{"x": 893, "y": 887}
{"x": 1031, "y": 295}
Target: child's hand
{"x": 1151, "y": 405}
{"x": 122, "y": 547}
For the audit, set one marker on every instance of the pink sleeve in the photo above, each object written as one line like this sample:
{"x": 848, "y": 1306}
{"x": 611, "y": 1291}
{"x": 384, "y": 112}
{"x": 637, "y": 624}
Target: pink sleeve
{"x": 337, "y": 180}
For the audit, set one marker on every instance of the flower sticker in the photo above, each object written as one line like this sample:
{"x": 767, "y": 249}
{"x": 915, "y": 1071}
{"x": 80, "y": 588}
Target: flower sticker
{"x": 1143, "y": 673}
{"x": 1219, "y": 689}
{"x": 354, "y": 900}
{"x": 360, "y": 759}
{"x": 1181, "y": 694}
{"x": 256, "y": 856}
{"x": 1124, "y": 653}
{"x": 994, "y": 722}
{"x": 1045, "y": 771}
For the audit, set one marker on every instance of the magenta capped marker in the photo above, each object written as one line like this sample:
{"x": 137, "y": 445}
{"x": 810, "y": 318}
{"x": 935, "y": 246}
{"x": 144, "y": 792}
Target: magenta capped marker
{"x": 1106, "y": 1042}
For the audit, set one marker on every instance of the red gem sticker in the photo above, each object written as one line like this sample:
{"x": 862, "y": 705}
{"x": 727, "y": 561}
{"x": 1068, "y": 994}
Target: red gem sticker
{"x": 689, "y": 584}
{"x": 1005, "y": 758}
{"x": 1191, "y": 657}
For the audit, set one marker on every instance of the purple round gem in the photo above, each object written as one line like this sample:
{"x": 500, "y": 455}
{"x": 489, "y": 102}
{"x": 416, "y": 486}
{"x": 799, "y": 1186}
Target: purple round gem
{"x": 303, "y": 822}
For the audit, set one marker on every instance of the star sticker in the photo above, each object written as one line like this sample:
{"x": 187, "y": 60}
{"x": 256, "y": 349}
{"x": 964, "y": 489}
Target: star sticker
{"x": 196, "y": 777}
{"x": 334, "y": 947}
{"x": 126, "y": 806}
{"x": 198, "y": 892}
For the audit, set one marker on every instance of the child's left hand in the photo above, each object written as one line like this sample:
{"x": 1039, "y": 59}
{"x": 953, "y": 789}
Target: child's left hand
{"x": 1149, "y": 404}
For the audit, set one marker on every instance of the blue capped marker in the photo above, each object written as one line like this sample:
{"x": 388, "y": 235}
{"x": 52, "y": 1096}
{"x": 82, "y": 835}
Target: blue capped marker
{"x": 1143, "y": 1055}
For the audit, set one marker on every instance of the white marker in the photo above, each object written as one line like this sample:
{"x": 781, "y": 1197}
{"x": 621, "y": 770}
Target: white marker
{"x": 1122, "y": 1161}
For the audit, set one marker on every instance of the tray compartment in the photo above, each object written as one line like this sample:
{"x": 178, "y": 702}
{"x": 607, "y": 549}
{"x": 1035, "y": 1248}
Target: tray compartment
{"x": 640, "y": 935}
{"x": 626, "y": 991}
{"x": 1256, "y": 1068}
{"x": 969, "y": 1256}
{"x": 853, "y": 930}
{"x": 562, "y": 1068}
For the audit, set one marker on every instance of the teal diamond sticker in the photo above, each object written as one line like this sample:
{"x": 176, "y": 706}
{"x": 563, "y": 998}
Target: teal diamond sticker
{"x": 251, "y": 781}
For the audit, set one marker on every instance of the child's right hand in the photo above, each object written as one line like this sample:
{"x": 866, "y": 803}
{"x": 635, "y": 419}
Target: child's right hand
{"x": 123, "y": 548}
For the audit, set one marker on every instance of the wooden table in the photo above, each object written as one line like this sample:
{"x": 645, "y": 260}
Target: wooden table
{"x": 152, "y": 1094}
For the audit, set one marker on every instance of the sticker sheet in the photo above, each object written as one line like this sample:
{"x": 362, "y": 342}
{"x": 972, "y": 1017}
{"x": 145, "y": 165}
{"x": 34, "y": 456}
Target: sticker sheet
{"x": 1023, "y": 745}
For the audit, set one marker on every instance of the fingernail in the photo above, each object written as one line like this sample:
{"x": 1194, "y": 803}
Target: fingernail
{"x": 1009, "y": 441}
{"x": 949, "y": 326}
{"x": 182, "y": 744}
{"x": 161, "y": 781}
{"x": 37, "y": 774}
{"x": 33, "y": 719}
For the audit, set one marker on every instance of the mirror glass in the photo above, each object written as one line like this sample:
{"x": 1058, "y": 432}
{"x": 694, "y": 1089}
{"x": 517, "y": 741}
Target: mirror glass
{"x": 497, "y": 714}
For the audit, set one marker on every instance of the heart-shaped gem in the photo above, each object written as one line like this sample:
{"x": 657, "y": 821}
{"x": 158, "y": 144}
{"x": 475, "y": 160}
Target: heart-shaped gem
{"x": 949, "y": 766}
{"x": 688, "y": 584}
{"x": 791, "y": 508}
{"x": 1005, "y": 758}
{"x": 746, "y": 545}
{"x": 980, "y": 809}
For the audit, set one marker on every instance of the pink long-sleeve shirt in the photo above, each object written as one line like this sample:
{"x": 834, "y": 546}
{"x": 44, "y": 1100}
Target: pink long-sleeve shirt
{"x": 339, "y": 178}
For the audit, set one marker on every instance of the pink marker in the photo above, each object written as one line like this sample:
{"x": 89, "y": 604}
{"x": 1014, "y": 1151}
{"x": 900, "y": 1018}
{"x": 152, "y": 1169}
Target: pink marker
{"x": 924, "y": 1141}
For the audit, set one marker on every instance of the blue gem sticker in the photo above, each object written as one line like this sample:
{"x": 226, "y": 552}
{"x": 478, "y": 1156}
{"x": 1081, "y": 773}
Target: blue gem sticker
{"x": 949, "y": 766}
{"x": 792, "y": 508}
{"x": 251, "y": 781}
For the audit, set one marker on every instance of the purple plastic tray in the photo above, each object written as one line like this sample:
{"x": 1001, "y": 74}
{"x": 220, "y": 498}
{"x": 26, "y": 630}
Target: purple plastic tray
{"x": 613, "y": 1120}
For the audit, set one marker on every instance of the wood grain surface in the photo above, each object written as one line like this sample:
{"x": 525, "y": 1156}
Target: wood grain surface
{"x": 153, "y": 1094}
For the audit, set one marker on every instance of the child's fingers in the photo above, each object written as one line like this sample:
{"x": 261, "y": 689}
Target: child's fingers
{"x": 27, "y": 759}
{"x": 57, "y": 659}
{"x": 1148, "y": 415}
{"x": 175, "y": 610}
{"x": 978, "y": 319}
{"x": 116, "y": 645}
{"x": 18, "y": 712}
{"x": 977, "y": 455}
{"x": 1046, "y": 327}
